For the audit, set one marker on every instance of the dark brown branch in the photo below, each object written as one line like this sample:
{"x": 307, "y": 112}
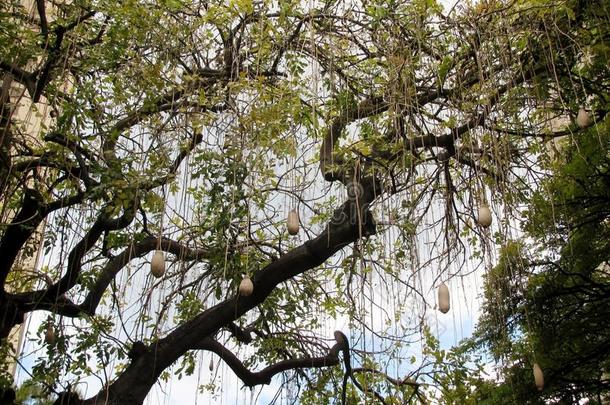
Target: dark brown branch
{"x": 394, "y": 381}
{"x": 73, "y": 269}
{"x": 27, "y": 79}
{"x": 133, "y": 251}
{"x": 242, "y": 335}
{"x": 42, "y": 13}
{"x": 172, "y": 100}
{"x": 134, "y": 383}
{"x": 44, "y": 74}
{"x": 62, "y": 140}
{"x": 31, "y": 301}
{"x": 22, "y": 227}
{"x": 366, "y": 108}
{"x": 479, "y": 168}
{"x": 51, "y": 160}
{"x": 264, "y": 376}
{"x": 349, "y": 373}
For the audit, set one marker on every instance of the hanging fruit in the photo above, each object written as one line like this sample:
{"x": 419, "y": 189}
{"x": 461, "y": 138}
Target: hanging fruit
{"x": 157, "y": 264}
{"x": 443, "y": 298}
{"x": 211, "y": 366}
{"x": 484, "y": 217}
{"x": 246, "y": 287}
{"x": 49, "y": 336}
{"x": 538, "y": 377}
{"x": 583, "y": 119}
{"x": 293, "y": 222}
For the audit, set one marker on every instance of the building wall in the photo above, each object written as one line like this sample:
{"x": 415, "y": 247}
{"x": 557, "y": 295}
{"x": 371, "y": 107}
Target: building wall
{"x": 28, "y": 121}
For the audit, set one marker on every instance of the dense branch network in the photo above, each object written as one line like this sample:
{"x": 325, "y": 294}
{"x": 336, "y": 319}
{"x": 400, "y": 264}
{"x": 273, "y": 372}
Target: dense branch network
{"x": 207, "y": 93}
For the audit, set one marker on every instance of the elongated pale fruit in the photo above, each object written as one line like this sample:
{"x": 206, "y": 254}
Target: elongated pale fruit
{"x": 538, "y": 377}
{"x": 443, "y": 298}
{"x": 484, "y": 217}
{"x": 157, "y": 264}
{"x": 246, "y": 287}
{"x": 293, "y": 222}
{"x": 583, "y": 119}
{"x": 211, "y": 366}
{"x": 49, "y": 336}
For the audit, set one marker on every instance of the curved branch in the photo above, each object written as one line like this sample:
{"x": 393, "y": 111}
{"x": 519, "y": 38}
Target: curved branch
{"x": 132, "y": 386}
{"x": 68, "y": 281}
{"x": 135, "y": 250}
{"x": 24, "y": 77}
{"x": 21, "y": 228}
{"x": 394, "y": 381}
{"x": 264, "y": 376}
{"x": 241, "y": 334}
{"x": 349, "y": 373}
{"x": 370, "y": 106}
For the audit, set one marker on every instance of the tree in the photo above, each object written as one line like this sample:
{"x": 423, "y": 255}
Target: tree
{"x": 189, "y": 128}
{"x": 552, "y": 296}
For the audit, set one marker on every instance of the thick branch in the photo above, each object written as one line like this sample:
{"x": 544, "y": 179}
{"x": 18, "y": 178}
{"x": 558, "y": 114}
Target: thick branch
{"x": 135, "y": 250}
{"x": 65, "y": 307}
{"x": 133, "y": 384}
{"x": 76, "y": 255}
{"x": 366, "y": 108}
{"x": 44, "y": 28}
{"x": 264, "y": 376}
{"x": 19, "y": 231}
{"x": 242, "y": 335}
{"x": 27, "y": 79}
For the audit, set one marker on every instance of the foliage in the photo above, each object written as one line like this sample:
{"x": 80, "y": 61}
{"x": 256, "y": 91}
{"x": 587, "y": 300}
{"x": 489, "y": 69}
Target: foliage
{"x": 548, "y": 302}
{"x": 193, "y": 127}
{"x": 31, "y": 392}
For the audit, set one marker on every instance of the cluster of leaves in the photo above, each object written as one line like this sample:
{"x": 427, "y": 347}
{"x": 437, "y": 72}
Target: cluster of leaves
{"x": 188, "y": 127}
{"x": 547, "y": 300}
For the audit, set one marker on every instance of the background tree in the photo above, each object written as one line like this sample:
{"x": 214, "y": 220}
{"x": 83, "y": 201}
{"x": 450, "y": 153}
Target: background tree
{"x": 551, "y": 298}
{"x": 191, "y": 128}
